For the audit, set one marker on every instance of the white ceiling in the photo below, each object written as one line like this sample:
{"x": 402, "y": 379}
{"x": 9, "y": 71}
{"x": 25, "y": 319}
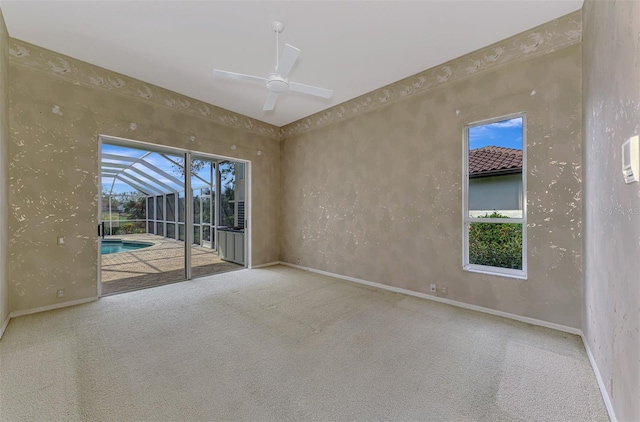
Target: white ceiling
{"x": 352, "y": 47}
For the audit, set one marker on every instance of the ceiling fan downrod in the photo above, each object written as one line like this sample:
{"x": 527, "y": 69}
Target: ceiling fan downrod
{"x": 277, "y": 27}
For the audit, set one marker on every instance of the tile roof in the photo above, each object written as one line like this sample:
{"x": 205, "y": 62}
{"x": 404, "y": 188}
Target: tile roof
{"x": 494, "y": 160}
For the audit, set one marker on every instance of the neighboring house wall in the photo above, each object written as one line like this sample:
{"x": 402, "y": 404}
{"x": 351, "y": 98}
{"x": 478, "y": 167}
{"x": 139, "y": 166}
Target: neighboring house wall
{"x": 4, "y": 171}
{"x": 372, "y": 187}
{"x": 611, "y": 53}
{"x": 59, "y": 106}
{"x": 495, "y": 193}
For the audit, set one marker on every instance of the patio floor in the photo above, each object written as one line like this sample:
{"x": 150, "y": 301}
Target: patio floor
{"x": 158, "y": 264}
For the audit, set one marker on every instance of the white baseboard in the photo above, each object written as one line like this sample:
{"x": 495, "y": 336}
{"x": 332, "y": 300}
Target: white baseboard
{"x": 51, "y": 307}
{"x": 464, "y": 305}
{"x": 603, "y": 388}
{"x": 4, "y": 325}
{"x": 268, "y": 264}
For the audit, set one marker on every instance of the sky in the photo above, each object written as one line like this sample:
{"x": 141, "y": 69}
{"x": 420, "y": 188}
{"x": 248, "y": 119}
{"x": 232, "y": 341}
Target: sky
{"x": 156, "y": 160}
{"x": 507, "y": 133}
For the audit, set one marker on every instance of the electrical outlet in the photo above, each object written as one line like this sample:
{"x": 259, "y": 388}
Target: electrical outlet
{"x": 60, "y": 241}
{"x": 444, "y": 290}
{"x": 432, "y": 288}
{"x": 60, "y": 293}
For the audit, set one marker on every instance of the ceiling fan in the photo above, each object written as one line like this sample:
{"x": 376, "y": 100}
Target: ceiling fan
{"x": 278, "y": 82}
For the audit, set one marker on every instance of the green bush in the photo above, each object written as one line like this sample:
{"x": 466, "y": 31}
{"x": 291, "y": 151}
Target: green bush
{"x": 129, "y": 228}
{"x": 496, "y": 244}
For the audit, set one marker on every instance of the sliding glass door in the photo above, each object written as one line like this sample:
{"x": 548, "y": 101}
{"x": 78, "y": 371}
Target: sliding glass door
{"x": 203, "y": 186}
{"x": 206, "y": 183}
{"x": 160, "y": 226}
{"x": 140, "y": 204}
{"x": 231, "y": 212}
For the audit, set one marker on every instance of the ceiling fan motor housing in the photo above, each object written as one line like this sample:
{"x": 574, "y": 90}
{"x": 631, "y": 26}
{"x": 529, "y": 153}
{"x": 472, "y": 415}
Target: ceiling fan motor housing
{"x": 277, "y": 26}
{"x": 276, "y": 84}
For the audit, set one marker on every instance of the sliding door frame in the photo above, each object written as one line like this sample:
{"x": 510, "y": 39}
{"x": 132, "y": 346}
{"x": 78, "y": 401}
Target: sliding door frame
{"x": 188, "y": 232}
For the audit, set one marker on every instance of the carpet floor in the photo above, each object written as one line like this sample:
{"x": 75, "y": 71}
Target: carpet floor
{"x": 284, "y": 344}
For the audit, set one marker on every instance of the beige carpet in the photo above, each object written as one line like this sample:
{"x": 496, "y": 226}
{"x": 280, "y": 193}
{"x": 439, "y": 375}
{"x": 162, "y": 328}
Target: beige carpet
{"x": 283, "y": 344}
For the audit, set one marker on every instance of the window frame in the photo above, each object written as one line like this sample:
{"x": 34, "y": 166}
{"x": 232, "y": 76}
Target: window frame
{"x": 467, "y": 221}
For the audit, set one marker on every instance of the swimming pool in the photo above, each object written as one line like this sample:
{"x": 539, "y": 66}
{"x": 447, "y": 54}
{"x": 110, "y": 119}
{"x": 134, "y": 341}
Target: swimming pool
{"x": 115, "y": 246}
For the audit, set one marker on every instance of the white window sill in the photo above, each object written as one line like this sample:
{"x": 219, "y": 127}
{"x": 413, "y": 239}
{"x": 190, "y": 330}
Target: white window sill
{"x": 500, "y": 272}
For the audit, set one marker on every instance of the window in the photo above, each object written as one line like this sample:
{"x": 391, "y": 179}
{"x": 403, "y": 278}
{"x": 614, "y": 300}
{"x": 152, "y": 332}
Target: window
{"x": 494, "y": 197}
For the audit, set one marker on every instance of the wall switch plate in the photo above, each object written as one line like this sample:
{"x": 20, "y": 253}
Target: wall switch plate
{"x": 611, "y": 386}
{"x": 444, "y": 290}
{"x": 631, "y": 159}
{"x": 60, "y": 293}
{"x": 60, "y": 240}
{"x": 432, "y": 288}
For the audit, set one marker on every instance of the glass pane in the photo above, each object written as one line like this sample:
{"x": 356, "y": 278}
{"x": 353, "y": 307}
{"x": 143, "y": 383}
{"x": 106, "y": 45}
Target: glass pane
{"x": 159, "y": 208}
{"x": 181, "y": 208}
{"x": 227, "y": 193}
{"x": 205, "y": 257}
{"x": 206, "y": 209}
{"x": 171, "y": 207}
{"x": 495, "y": 169}
{"x": 134, "y": 215}
{"x": 181, "y": 232}
{"x": 201, "y": 172}
{"x": 196, "y": 209}
{"x": 196, "y": 235}
{"x": 151, "y": 208}
{"x": 132, "y": 207}
{"x": 496, "y": 244}
{"x": 171, "y": 230}
{"x": 128, "y": 227}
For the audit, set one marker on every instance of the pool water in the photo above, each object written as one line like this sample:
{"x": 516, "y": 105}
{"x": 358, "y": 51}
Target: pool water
{"x": 115, "y": 246}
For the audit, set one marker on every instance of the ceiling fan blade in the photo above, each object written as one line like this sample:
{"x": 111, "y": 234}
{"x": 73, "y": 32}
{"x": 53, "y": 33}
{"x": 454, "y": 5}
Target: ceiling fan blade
{"x": 239, "y": 76}
{"x": 312, "y": 90}
{"x": 270, "y": 103}
{"x": 287, "y": 60}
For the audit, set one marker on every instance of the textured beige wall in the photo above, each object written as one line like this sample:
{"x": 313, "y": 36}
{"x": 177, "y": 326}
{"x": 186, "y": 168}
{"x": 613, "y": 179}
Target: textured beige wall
{"x": 4, "y": 170}
{"x": 378, "y": 196}
{"x": 56, "y": 116}
{"x": 611, "y": 60}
